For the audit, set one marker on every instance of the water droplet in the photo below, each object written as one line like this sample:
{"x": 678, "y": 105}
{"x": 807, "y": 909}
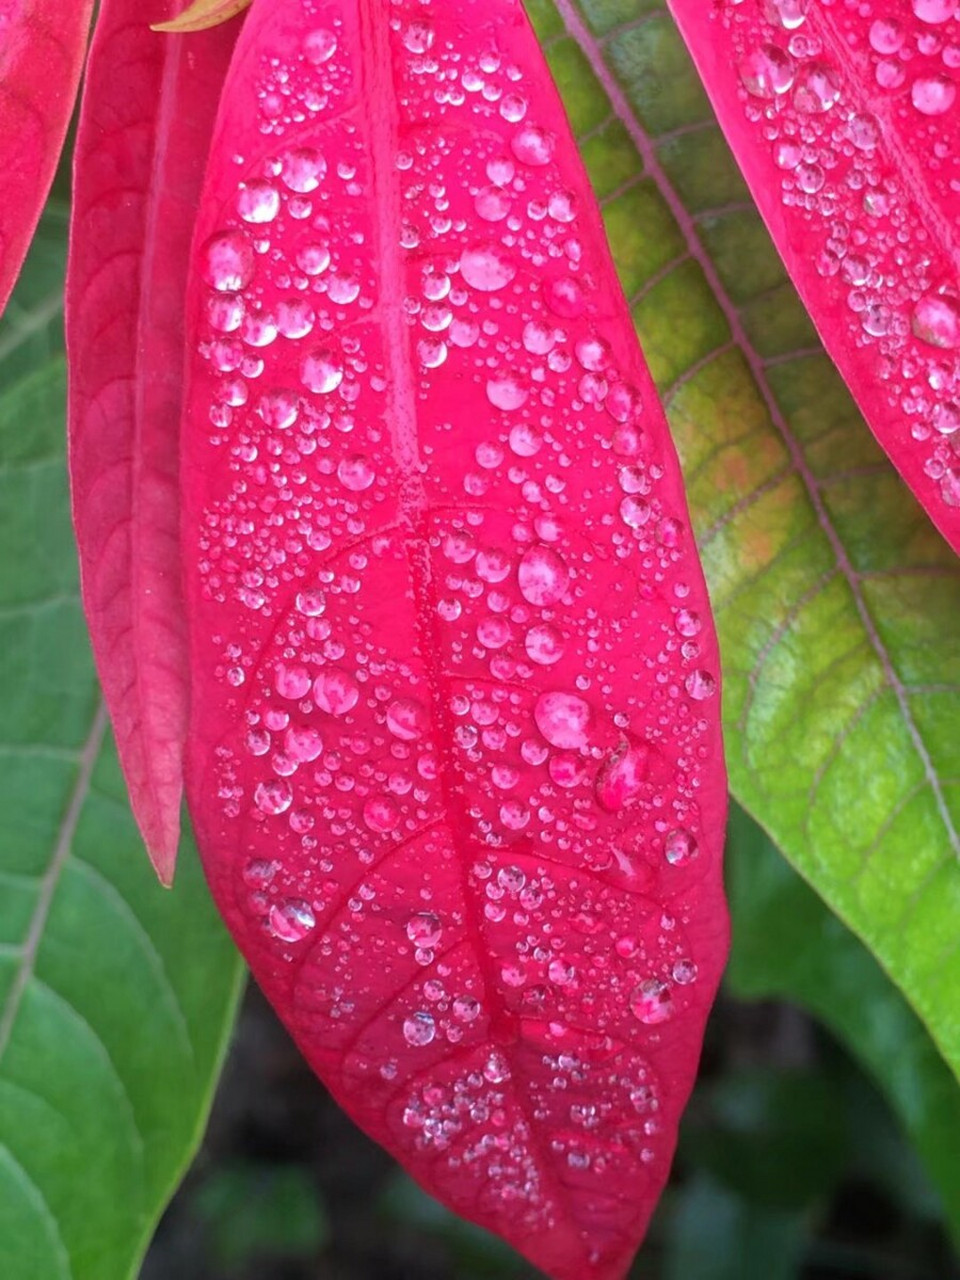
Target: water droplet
{"x": 302, "y": 169}
{"x": 336, "y": 691}
{"x": 273, "y": 796}
{"x": 886, "y": 35}
{"x": 680, "y": 847}
{"x": 407, "y": 719}
{"x": 684, "y": 972}
{"x": 700, "y": 685}
{"x": 258, "y": 202}
{"x": 302, "y": 744}
{"x": 933, "y": 95}
{"x": 817, "y": 89}
{"x": 487, "y": 267}
{"x": 321, "y": 371}
{"x": 492, "y": 203}
{"x": 622, "y": 776}
{"x": 466, "y": 1009}
{"x": 533, "y": 145}
{"x": 934, "y": 11}
{"x": 291, "y": 921}
{"x": 418, "y": 37}
{"x": 564, "y": 719}
{"x": 424, "y": 929}
{"x": 292, "y": 682}
{"x": 544, "y": 644}
{"x": 380, "y": 814}
{"x": 419, "y": 1029}
{"x": 229, "y": 262}
{"x": 543, "y": 576}
{"x": 319, "y": 46}
{"x": 506, "y": 391}
{"x": 651, "y": 1002}
{"x": 766, "y": 71}
{"x": 355, "y": 473}
{"x": 936, "y": 320}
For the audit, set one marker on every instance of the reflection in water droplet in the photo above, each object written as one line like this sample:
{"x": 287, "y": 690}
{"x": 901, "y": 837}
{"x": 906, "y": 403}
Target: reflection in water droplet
{"x": 543, "y": 576}
{"x": 228, "y": 262}
{"x": 291, "y": 921}
{"x": 680, "y": 847}
{"x": 336, "y": 691}
{"x": 936, "y": 321}
{"x": 651, "y": 1002}
{"x": 564, "y": 719}
{"x": 419, "y": 1029}
{"x": 407, "y": 719}
{"x": 273, "y": 796}
{"x": 766, "y": 71}
{"x": 487, "y": 267}
{"x": 622, "y": 776}
{"x": 933, "y": 95}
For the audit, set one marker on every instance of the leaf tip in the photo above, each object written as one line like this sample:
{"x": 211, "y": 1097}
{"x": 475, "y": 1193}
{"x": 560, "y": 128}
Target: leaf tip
{"x": 201, "y": 16}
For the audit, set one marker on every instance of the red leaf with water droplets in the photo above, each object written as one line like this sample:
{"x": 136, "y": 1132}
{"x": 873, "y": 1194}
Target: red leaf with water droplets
{"x": 845, "y": 123}
{"x": 454, "y": 757}
{"x": 42, "y": 44}
{"x": 148, "y": 110}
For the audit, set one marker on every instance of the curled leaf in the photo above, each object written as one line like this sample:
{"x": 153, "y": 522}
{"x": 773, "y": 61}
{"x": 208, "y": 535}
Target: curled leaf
{"x": 148, "y": 109}
{"x": 202, "y": 15}
{"x": 846, "y": 124}
{"x": 42, "y": 44}
{"x": 454, "y": 756}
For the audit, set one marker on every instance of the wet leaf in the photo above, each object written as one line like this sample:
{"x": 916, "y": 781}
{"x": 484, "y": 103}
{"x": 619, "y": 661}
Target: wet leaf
{"x": 115, "y": 997}
{"x": 845, "y": 123}
{"x": 836, "y": 601}
{"x": 42, "y": 43}
{"x": 148, "y": 108}
{"x": 453, "y": 752}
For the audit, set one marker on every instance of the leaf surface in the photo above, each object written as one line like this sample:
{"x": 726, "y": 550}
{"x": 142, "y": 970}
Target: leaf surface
{"x": 836, "y": 600}
{"x": 454, "y": 757}
{"x": 116, "y": 998}
{"x": 148, "y": 108}
{"x": 787, "y": 945}
{"x": 42, "y": 44}
{"x": 845, "y": 123}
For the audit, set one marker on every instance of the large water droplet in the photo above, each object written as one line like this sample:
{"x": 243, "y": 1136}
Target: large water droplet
{"x": 543, "y": 576}
{"x": 407, "y": 719}
{"x": 564, "y": 719}
{"x": 936, "y": 320}
{"x": 291, "y": 921}
{"x": 336, "y": 691}
{"x": 228, "y": 261}
{"x": 419, "y": 1029}
{"x": 933, "y": 95}
{"x": 766, "y": 71}
{"x": 651, "y": 1002}
{"x": 273, "y": 796}
{"x": 487, "y": 267}
{"x": 622, "y": 775}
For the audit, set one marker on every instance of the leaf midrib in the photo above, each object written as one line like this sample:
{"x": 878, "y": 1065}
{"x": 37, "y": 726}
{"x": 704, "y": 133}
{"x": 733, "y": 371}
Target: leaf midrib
{"x": 51, "y": 877}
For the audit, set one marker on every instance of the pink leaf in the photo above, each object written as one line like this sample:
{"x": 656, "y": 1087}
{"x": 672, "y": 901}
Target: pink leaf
{"x": 845, "y": 123}
{"x": 148, "y": 109}
{"x": 454, "y": 754}
{"x": 41, "y": 53}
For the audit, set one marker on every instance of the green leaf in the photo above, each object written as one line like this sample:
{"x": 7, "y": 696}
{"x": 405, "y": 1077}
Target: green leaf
{"x": 835, "y": 599}
{"x": 787, "y": 945}
{"x": 116, "y": 996}
{"x": 715, "y": 1234}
